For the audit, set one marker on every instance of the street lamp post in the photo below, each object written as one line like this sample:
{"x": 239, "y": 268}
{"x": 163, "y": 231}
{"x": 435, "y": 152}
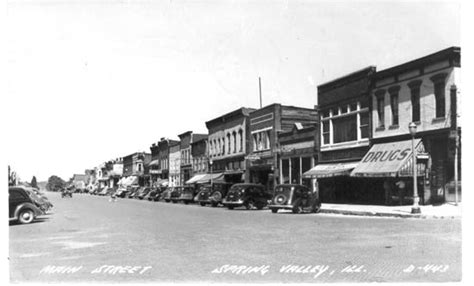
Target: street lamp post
{"x": 210, "y": 164}
{"x": 416, "y": 208}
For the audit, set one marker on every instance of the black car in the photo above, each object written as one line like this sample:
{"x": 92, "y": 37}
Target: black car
{"x": 121, "y": 192}
{"x": 248, "y": 195}
{"x": 22, "y": 207}
{"x": 296, "y": 198}
{"x": 203, "y": 195}
{"x": 40, "y": 200}
{"x": 175, "y": 194}
{"x": 219, "y": 192}
{"x": 187, "y": 194}
{"x": 66, "y": 193}
{"x": 143, "y": 192}
{"x": 152, "y": 194}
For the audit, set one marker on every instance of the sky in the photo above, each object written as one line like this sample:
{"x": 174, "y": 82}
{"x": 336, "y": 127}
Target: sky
{"x": 89, "y": 81}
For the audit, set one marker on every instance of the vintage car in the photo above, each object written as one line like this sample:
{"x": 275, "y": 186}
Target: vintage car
{"x": 121, "y": 192}
{"x": 203, "y": 195}
{"x": 296, "y": 198}
{"x": 166, "y": 194}
{"x": 132, "y": 191}
{"x": 248, "y": 195}
{"x": 219, "y": 192}
{"x": 152, "y": 195}
{"x": 143, "y": 192}
{"x": 22, "y": 207}
{"x": 40, "y": 200}
{"x": 175, "y": 195}
{"x": 187, "y": 194}
{"x": 66, "y": 193}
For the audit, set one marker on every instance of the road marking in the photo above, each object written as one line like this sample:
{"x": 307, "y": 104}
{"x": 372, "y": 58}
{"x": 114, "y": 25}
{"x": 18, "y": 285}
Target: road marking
{"x": 78, "y": 244}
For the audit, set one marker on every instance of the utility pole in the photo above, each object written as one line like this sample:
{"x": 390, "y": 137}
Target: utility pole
{"x": 260, "y": 90}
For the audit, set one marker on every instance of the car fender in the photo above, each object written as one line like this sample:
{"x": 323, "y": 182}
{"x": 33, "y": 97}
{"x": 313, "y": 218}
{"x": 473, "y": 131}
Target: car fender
{"x": 30, "y": 206}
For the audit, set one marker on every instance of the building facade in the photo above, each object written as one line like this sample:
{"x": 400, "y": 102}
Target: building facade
{"x": 229, "y": 141}
{"x": 298, "y": 153}
{"x": 343, "y": 140}
{"x": 186, "y": 139}
{"x": 424, "y": 91}
{"x": 199, "y": 153}
{"x": 174, "y": 178}
{"x": 264, "y": 125}
{"x": 136, "y": 165}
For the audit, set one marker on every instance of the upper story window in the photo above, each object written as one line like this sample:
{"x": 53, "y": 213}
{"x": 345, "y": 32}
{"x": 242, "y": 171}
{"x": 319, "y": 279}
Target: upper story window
{"x": 261, "y": 140}
{"x": 393, "y": 91}
{"x": 234, "y": 137}
{"x": 415, "y": 99}
{"x": 139, "y": 167}
{"x": 347, "y": 127}
{"x": 440, "y": 94}
{"x": 241, "y": 137}
{"x": 228, "y": 144}
{"x": 380, "y": 97}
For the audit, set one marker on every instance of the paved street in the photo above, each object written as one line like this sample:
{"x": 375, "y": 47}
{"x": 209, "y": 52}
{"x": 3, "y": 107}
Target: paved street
{"x": 95, "y": 240}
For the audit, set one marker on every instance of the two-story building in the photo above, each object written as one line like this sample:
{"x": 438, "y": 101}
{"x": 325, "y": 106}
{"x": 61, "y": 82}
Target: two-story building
{"x": 200, "y": 161}
{"x": 423, "y": 91}
{"x": 344, "y": 133}
{"x": 264, "y": 125}
{"x": 229, "y": 143}
{"x": 174, "y": 178}
{"x": 135, "y": 165}
{"x": 186, "y": 139}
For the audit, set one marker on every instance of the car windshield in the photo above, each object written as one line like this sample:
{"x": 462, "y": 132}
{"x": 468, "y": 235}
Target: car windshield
{"x": 283, "y": 189}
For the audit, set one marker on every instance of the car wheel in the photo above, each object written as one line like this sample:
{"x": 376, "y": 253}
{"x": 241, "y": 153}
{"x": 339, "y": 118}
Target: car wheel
{"x": 202, "y": 204}
{"x": 174, "y": 202}
{"x": 230, "y": 207}
{"x": 317, "y": 209}
{"x": 26, "y": 216}
{"x": 167, "y": 201}
{"x": 214, "y": 204}
{"x": 259, "y": 205}
{"x": 274, "y": 211}
{"x": 186, "y": 202}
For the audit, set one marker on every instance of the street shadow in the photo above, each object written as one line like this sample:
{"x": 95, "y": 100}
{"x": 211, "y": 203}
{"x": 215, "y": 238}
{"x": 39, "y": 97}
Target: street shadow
{"x": 38, "y": 220}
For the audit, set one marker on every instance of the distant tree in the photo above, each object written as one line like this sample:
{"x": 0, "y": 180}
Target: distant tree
{"x": 34, "y": 183}
{"x": 55, "y": 184}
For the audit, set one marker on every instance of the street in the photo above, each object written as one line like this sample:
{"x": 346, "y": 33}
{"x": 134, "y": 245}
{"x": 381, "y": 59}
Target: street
{"x": 89, "y": 238}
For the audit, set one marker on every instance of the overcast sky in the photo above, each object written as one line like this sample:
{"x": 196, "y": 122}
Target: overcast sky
{"x": 97, "y": 80}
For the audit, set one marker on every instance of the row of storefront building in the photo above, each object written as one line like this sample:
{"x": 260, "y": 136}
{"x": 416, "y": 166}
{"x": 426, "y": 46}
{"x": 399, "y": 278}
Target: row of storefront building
{"x": 354, "y": 146}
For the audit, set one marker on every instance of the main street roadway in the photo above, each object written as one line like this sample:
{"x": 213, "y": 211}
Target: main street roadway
{"x": 89, "y": 239}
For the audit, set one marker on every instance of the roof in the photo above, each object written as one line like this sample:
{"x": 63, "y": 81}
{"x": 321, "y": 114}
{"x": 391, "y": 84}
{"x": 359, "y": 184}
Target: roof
{"x": 453, "y": 53}
{"x": 244, "y": 111}
{"x": 367, "y": 71}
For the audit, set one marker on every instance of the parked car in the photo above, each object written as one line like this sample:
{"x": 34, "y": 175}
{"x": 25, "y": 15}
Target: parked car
{"x": 297, "y": 198}
{"x": 248, "y": 195}
{"x": 143, "y": 192}
{"x": 150, "y": 196}
{"x": 132, "y": 191}
{"x": 218, "y": 193}
{"x": 176, "y": 194}
{"x": 166, "y": 195}
{"x": 202, "y": 197}
{"x": 187, "y": 194}
{"x": 22, "y": 207}
{"x": 121, "y": 192}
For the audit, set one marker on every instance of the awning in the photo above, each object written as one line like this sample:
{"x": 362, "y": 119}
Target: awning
{"x": 330, "y": 170}
{"x": 154, "y": 163}
{"x": 392, "y": 159}
{"x": 195, "y": 178}
{"x": 207, "y": 178}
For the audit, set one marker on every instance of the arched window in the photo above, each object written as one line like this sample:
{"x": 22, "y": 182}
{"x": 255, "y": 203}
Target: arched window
{"x": 228, "y": 144}
{"x": 222, "y": 146}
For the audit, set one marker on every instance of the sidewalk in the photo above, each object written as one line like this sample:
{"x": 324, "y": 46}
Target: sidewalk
{"x": 447, "y": 210}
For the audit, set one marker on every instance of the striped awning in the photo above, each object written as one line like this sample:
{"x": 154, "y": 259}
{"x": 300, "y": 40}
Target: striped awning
{"x": 394, "y": 159}
{"x": 207, "y": 178}
{"x": 330, "y": 170}
{"x": 195, "y": 178}
{"x": 154, "y": 163}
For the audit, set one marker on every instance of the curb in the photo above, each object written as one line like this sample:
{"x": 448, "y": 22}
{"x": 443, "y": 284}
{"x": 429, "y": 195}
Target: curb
{"x": 381, "y": 214}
